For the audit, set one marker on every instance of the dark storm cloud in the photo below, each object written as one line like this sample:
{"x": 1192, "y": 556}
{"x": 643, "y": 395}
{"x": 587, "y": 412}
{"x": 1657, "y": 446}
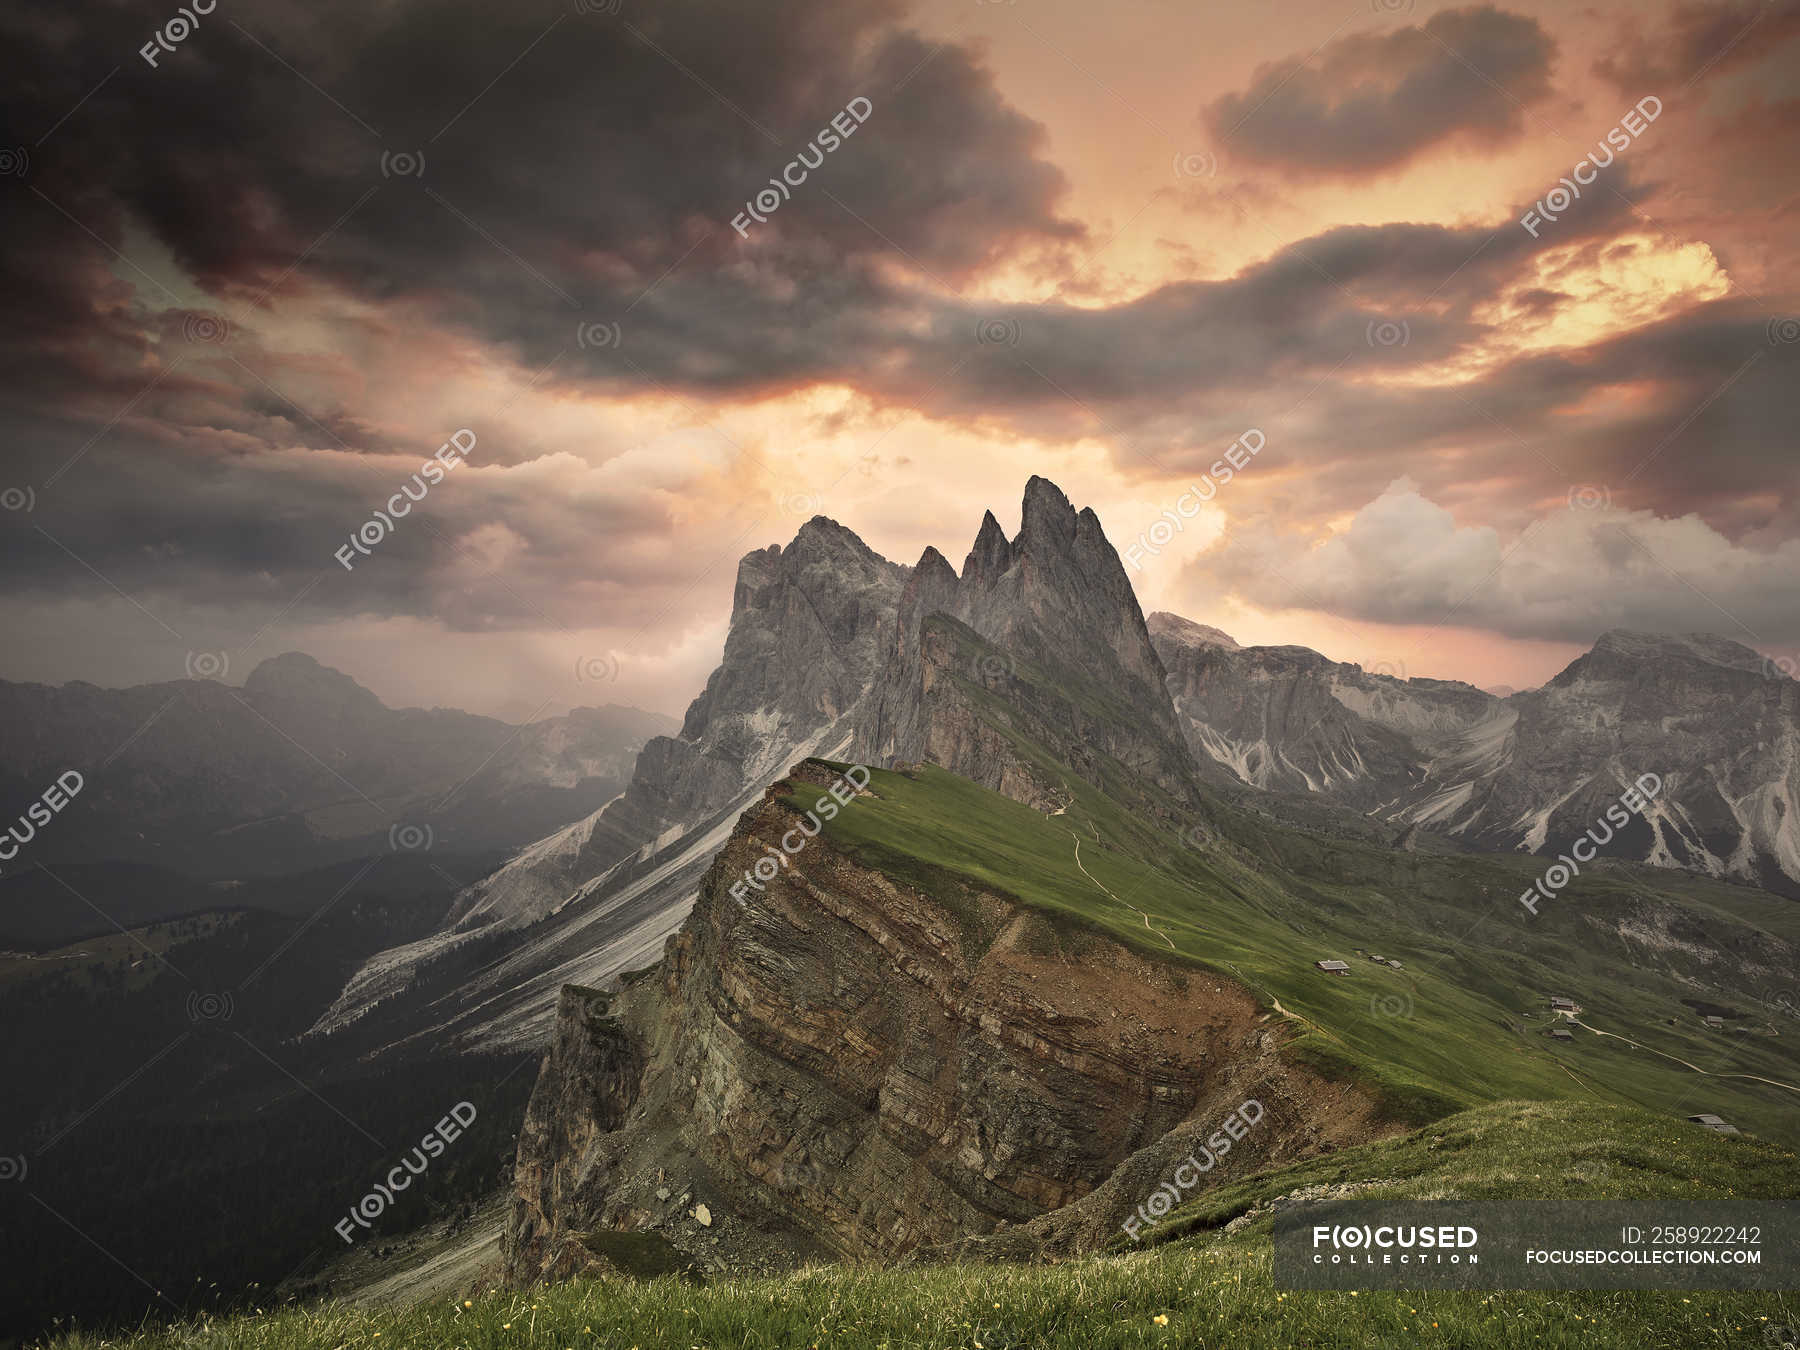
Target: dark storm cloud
{"x": 571, "y": 161}
{"x": 1370, "y": 102}
{"x": 619, "y": 146}
{"x": 595, "y": 182}
{"x": 1697, "y": 42}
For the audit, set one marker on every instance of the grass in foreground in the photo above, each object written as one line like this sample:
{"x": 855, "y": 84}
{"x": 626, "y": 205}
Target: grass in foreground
{"x": 1195, "y": 1287}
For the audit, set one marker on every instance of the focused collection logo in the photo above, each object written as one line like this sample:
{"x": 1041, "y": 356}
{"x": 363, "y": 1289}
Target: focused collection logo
{"x": 1351, "y": 1244}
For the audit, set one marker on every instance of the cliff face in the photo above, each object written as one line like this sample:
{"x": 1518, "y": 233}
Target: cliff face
{"x": 844, "y": 1065}
{"x": 810, "y": 624}
{"x": 1718, "y": 724}
{"x": 586, "y": 1086}
{"x": 1287, "y": 719}
{"x": 1715, "y": 722}
{"x": 1039, "y": 639}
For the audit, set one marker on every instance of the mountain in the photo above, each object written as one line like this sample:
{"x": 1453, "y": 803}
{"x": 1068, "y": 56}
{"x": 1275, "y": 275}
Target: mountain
{"x": 1028, "y": 671}
{"x": 1705, "y": 715}
{"x": 1532, "y": 771}
{"x": 1035, "y": 656}
{"x": 1033, "y": 663}
{"x": 1289, "y": 719}
{"x": 810, "y": 624}
{"x": 842, "y": 1065}
{"x": 300, "y": 767}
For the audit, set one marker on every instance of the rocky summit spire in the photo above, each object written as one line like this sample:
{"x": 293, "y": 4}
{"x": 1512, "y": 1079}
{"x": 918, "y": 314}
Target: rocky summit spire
{"x": 1048, "y": 517}
{"x": 991, "y": 555}
{"x": 1048, "y": 627}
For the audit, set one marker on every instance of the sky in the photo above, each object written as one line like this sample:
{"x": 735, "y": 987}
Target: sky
{"x": 1504, "y": 294}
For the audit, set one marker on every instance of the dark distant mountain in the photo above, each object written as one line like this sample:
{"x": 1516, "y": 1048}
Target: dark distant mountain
{"x": 300, "y": 767}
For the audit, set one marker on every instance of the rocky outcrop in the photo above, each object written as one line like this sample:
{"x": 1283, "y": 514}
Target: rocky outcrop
{"x": 585, "y": 1087}
{"x": 1714, "y": 721}
{"x": 810, "y": 626}
{"x": 844, "y": 1065}
{"x": 1038, "y": 646}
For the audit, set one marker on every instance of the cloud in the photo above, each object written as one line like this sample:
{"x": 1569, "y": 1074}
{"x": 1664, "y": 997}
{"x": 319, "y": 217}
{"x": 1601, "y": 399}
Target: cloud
{"x": 1697, "y": 42}
{"x": 1569, "y": 575}
{"x": 583, "y": 169}
{"x": 1371, "y": 102}
{"x": 273, "y": 156}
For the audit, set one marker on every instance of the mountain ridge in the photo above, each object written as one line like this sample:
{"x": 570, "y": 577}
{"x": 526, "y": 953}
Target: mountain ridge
{"x": 300, "y": 766}
{"x": 837, "y": 652}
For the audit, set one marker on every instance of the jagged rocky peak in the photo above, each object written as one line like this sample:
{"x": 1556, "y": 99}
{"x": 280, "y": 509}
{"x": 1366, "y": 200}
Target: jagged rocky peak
{"x": 1063, "y": 590}
{"x": 812, "y": 624}
{"x": 809, "y": 625}
{"x": 1045, "y": 625}
{"x": 1048, "y": 513}
{"x": 991, "y": 555}
{"x": 932, "y": 589}
{"x": 1175, "y": 631}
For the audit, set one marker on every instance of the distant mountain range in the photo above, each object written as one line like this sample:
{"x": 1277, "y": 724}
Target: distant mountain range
{"x": 299, "y": 768}
{"x": 1713, "y": 720}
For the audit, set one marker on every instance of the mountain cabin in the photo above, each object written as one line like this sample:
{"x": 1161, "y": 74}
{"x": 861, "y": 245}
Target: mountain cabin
{"x": 1713, "y": 1122}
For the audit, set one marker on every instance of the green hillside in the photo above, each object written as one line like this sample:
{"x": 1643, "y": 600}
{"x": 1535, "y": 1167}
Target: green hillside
{"x": 1461, "y": 1023}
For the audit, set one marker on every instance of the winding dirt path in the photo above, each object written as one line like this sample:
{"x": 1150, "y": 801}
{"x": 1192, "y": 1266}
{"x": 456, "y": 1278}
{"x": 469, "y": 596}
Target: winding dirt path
{"x": 1751, "y": 1077}
{"x": 1133, "y": 908}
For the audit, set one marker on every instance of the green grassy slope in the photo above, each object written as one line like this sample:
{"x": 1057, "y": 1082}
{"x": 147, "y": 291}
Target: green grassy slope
{"x": 1459, "y": 1025}
{"x": 1198, "y": 1287}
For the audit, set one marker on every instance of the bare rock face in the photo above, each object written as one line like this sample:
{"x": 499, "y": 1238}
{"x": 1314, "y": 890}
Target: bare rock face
{"x": 842, "y": 1065}
{"x": 810, "y": 625}
{"x": 1287, "y": 719}
{"x": 1040, "y": 637}
{"x": 1714, "y": 721}
{"x": 1534, "y": 771}
{"x": 585, "y": 1087}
